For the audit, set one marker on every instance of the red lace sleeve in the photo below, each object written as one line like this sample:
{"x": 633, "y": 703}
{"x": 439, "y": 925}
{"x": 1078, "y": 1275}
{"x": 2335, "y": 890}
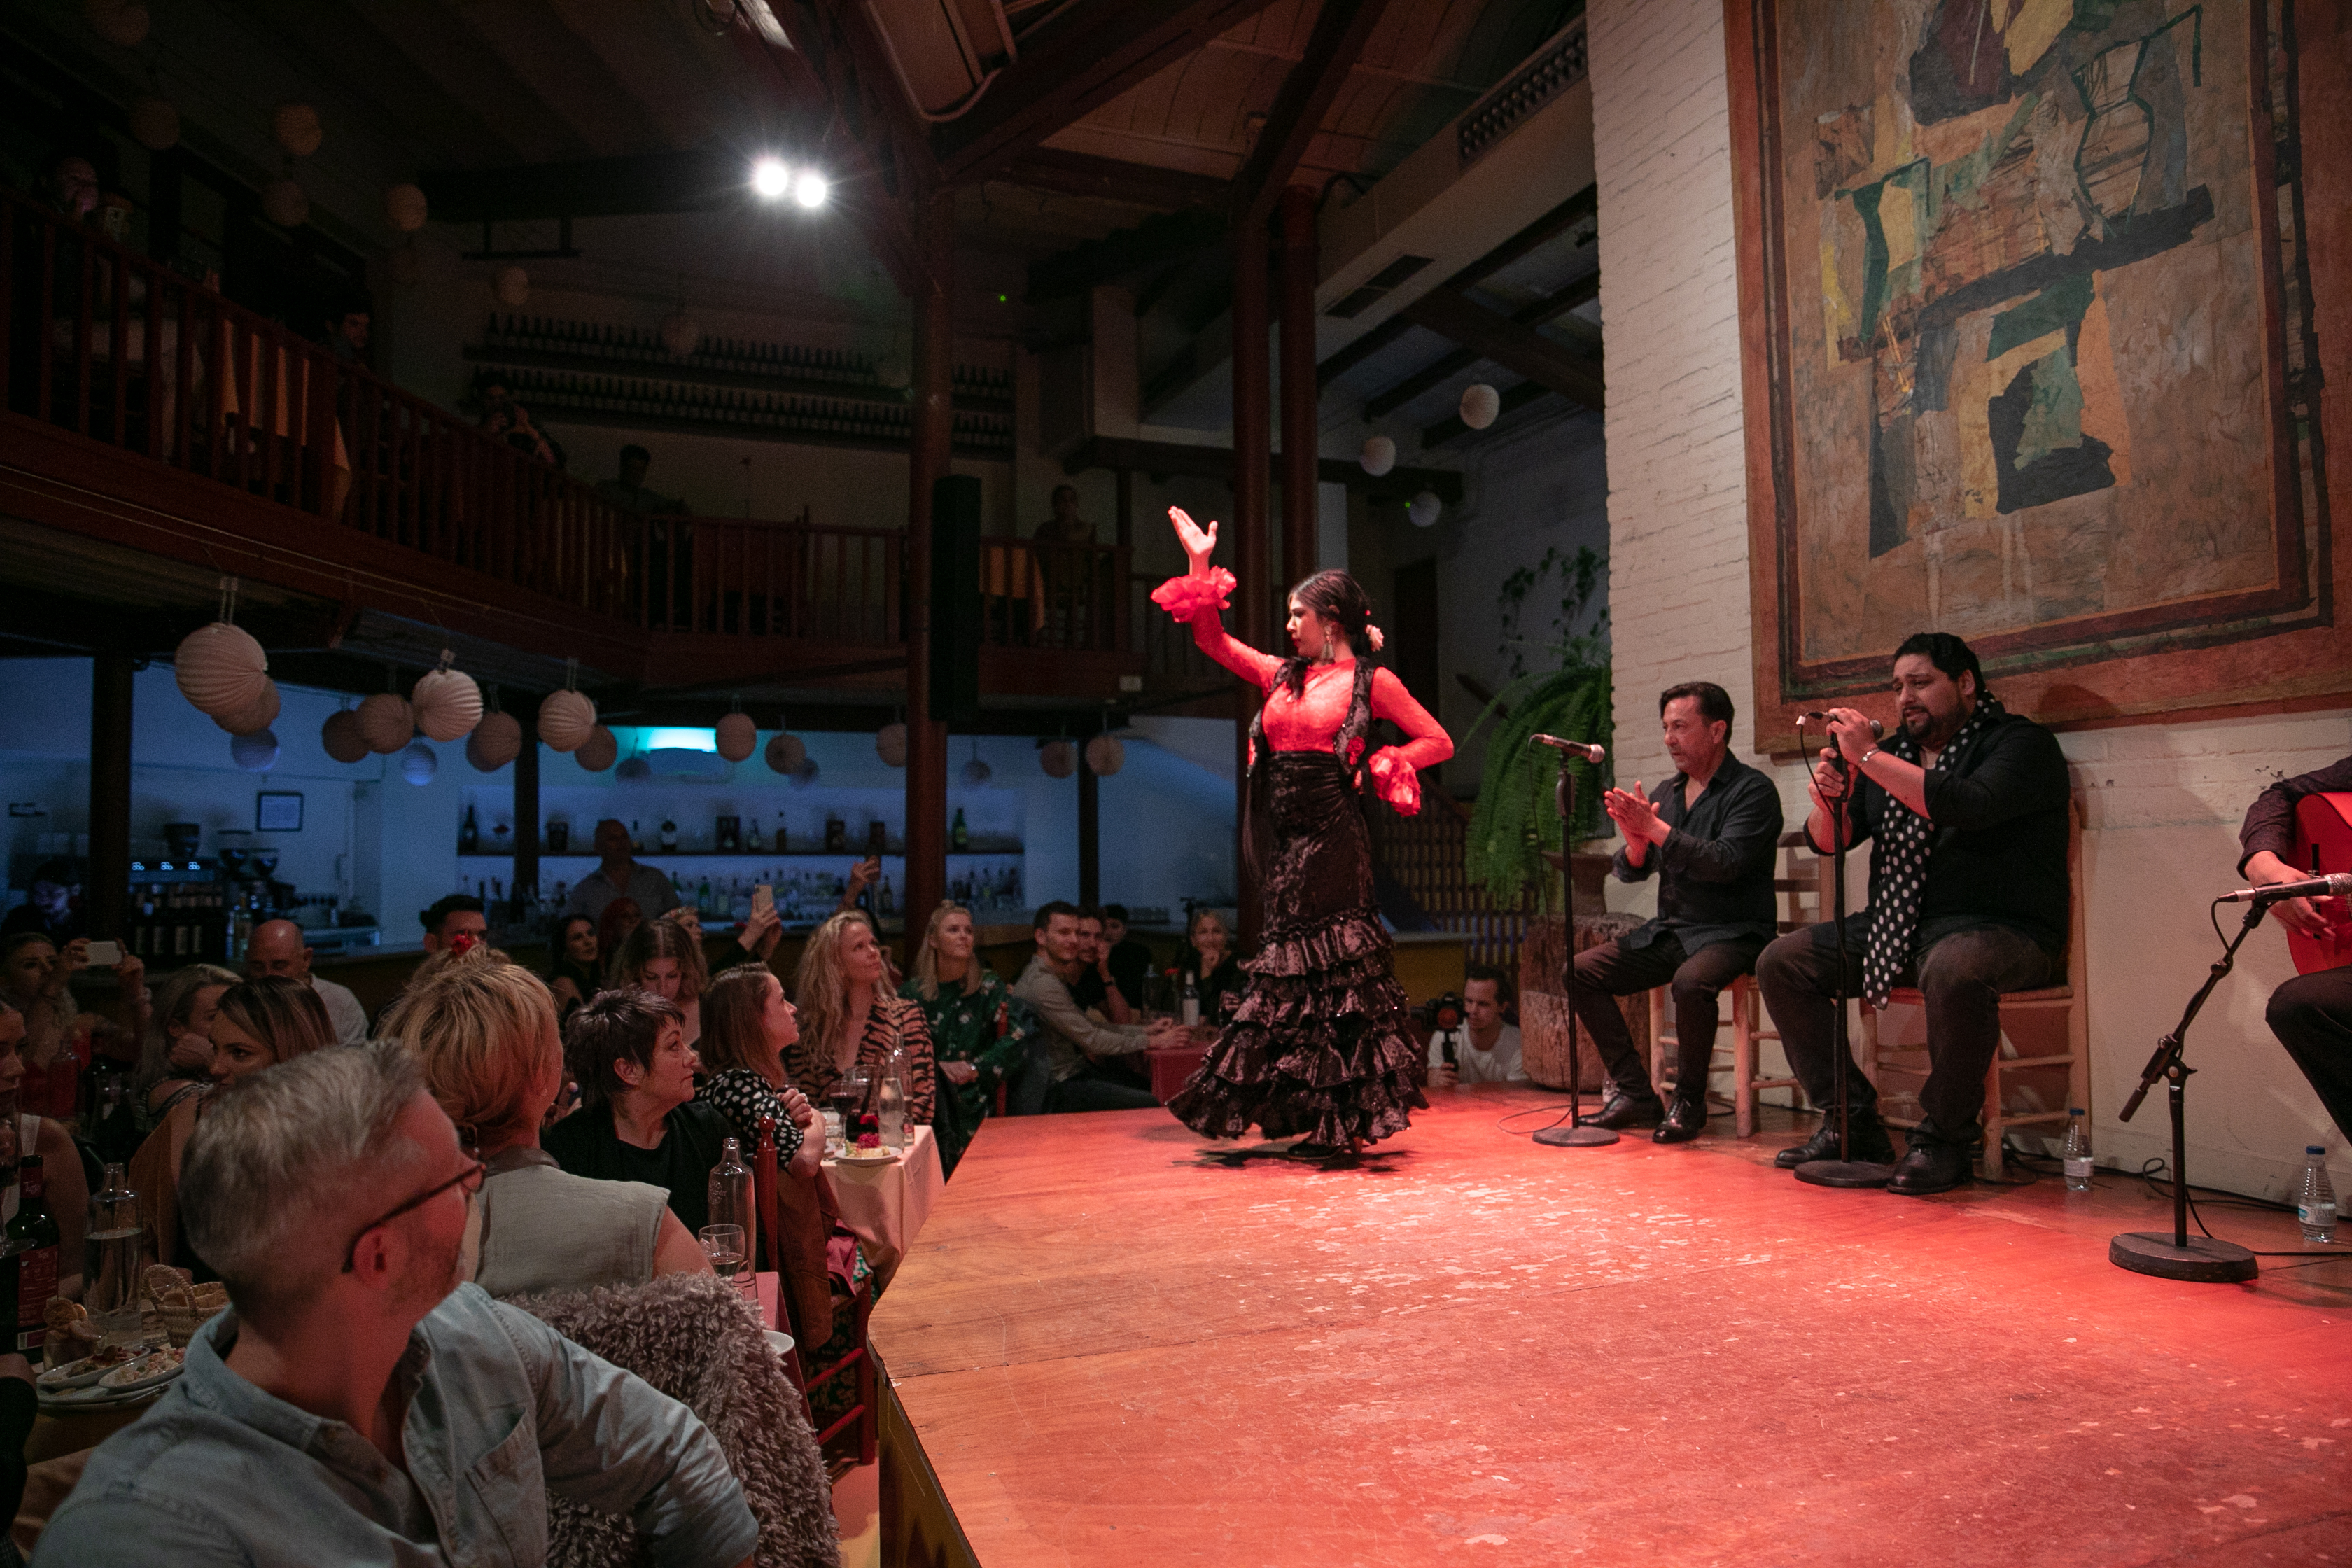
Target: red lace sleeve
{"x": 1200, "y": 601}
{"x": 1395, "y": 769}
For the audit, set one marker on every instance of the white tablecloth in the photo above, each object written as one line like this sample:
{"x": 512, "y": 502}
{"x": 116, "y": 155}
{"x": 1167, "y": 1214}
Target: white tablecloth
{"x": 885, "y": 1205}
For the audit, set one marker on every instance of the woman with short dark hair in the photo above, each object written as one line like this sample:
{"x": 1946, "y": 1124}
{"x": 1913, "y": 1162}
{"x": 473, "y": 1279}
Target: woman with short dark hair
{"x": 637, "y": 1119}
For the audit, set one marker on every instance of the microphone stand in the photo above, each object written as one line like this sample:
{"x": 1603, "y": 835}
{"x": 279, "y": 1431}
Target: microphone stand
{"x": 2180, "y": 1256}
{"x": 1844, "y": 1171}
{"x": 1575, "y": 1135}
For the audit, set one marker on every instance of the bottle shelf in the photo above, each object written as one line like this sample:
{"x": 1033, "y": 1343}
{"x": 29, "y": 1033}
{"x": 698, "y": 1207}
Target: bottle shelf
{"x": 855, "y": 852}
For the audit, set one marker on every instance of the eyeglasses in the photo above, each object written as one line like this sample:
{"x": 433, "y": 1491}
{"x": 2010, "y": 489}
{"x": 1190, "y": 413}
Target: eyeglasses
{"x": 470, "y": 1179}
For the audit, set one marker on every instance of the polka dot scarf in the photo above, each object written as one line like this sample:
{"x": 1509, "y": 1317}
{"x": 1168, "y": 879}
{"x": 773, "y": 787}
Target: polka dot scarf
{"x": 1898, "y": 865}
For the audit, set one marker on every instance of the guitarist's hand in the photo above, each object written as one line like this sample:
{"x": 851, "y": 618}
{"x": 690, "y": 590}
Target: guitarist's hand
{"x": 2301, "y": 916}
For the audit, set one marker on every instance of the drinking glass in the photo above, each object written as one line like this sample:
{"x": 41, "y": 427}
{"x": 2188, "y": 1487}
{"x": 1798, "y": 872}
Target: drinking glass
{"x": 725, "y": 1246}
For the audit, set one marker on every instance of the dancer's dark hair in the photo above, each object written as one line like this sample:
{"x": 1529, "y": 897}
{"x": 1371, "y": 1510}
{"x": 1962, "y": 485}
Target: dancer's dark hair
{"x": 1339, "y": 599}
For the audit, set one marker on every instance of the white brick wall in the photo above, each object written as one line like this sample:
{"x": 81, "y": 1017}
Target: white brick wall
{"x": 2162, "y": 802}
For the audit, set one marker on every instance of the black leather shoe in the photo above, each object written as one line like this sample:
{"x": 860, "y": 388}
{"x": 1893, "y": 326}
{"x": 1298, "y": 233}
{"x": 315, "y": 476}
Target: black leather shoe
{"x": 1870, "y": 1143}
{"x": 1931, "y": 1166}
{"x": 1684, "y": 1121}
{"x": 1623, "y": 1111}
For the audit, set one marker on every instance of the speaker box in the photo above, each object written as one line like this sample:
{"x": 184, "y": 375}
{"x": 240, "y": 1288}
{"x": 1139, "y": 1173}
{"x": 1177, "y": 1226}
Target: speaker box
{"x": 955, "y": 598}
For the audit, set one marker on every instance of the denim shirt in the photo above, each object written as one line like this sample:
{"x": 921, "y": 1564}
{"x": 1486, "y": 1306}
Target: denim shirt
{"x": 501, "y": 1411}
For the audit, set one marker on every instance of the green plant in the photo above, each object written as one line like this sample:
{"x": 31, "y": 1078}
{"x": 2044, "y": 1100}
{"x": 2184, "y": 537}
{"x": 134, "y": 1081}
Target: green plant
{"x": 1580, "y": 581}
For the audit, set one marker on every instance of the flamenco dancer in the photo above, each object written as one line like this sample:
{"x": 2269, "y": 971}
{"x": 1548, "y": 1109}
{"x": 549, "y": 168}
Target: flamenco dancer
{"x": 1317, "y": 1043}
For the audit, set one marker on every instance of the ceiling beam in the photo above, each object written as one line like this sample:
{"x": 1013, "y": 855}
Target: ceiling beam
{"x": 1217, "y": 463}
{"x": 1513, "y": 399}
{"x": 1582, "y": 291}
{"x": 1160, "y": 239}
{"x": 1111, "y": 179}
{"x": 861, "y": 36}
{"x": 635, "y": 185}
{"x": 1450, "y": 314}
{"x": 1341, "y": 29}
{"x": 1072, "y": 66}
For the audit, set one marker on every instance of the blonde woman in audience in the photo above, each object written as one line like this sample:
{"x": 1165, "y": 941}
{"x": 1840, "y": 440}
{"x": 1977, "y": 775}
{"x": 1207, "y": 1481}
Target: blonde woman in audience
{"x": 978, "y": 1032}
{"x": 176, "y": 1057}
{"x": 68, "y": 1192}
{"x": 486, "y": 1034}
{"x": 849, "y": 1018}
{"x": 748, "y": 1024}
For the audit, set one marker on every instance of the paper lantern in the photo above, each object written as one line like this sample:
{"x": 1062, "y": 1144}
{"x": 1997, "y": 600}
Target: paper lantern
{"x": 977, "y": 773}
{"x": 255, "y": 754}
{"x": 737, "y": 737}
{"x": 633, "y": 770}
{"x": 1106, "y": 755}
{"x": 386, "y": 724}
{"x": 599, "y": 751}
{"x": 1480, "y": 405}
{"x": 890, "y": 744}
{"x": 404, "y": 209}
{"x": 125, "y": 26}
{"x": 220, "y": 668}
{"x": 512, "y": 287}
{"x": 1379, "y": 455}
{"x": 566, "y": 720}
{"x": 418, "y": 764}
{"x": 253, "y": 720}
{"x": 1424, "y": 509}
{"x": 496, "y": 742}
{"x": 680, "y": 333}
{"x": 1058, "y": 758}
{"x": 342, "y": 738}
{"x": 155, "y": 124}
{"x": 786, "y": 753}
{"x": 283, "y": 203}
{"x": 446, "y": 703}
{"x": 295, "y": 127}
{"x": 804, "y": 775}
{"x": 406, "y": 266}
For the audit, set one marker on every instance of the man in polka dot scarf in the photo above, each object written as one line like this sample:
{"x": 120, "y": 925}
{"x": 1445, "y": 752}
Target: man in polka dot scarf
{"x": 1966, "y": 805}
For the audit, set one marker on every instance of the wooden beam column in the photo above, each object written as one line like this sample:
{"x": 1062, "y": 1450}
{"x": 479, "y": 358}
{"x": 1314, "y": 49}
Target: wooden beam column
{"x": 525, "y": 823}
{"x": 926, "y": 738}
{"x": 1299, "y": 425}
{"x": 1252, "y": 453}
{"x": 1089, "y": 834}
{"x": 106, "y": 892}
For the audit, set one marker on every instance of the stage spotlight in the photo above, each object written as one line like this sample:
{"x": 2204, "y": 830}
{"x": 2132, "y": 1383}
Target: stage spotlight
{"x": 771, "y": 178}
{"x": 810, "y": 188}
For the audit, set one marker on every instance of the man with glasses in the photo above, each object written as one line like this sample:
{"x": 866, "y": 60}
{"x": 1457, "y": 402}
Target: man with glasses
{"x": 356, "y": 1404}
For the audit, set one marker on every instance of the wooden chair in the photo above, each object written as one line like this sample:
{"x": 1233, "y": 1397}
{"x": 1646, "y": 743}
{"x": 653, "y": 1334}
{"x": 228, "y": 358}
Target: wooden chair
{"x": 862, "y": 1418}
{"x": 1794, "y": 885}
{"x": 2069, "y": 997}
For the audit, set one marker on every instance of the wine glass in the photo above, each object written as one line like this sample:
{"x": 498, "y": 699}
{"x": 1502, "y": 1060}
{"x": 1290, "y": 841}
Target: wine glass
{"x": 724, "y": 1244}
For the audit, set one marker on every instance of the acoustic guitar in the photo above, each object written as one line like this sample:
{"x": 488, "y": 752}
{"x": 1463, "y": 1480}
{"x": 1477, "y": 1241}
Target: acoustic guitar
{"x": 2323, "y": 844}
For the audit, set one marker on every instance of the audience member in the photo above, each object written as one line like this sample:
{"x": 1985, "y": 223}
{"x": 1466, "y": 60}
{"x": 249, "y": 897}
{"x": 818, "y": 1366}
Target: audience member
{"x": 68, "y": 1185}
{"x": 628, "y": 491}
{"x": 356, "y": 1404}
{"x": 256, "y": 1024}
{"x": 1207, "y": 957}
{"x": 637, "y": 1119}
{"x": 277, "y": 948}
{"x": 1487, "y": 1048}
{"x": 1073, "y": 1042}
{"x": 509, "y": 421}
{"x": 575, "y": 963}
{"x": 487, "y": 1036}
{"x": 36, "y": 978}
{"x": 1096, "y": 990}
{"x": 1066, "y": 526}
{"x": 979, "y": 1033}
{"x": 20, "y": 1406}
{"x": 618, "y": 877}
{"x": 453, "y": 922}
{"x": 49, "y": 909}
{"x": 1131, "y": 960}
{"x": 850, "y": 1018}
{"x": 664, "y": 958}
{"x": 621, "y": 917}
{"x": 176, "y": 1059}
{"x": 347, "y": 332}
{"x": 748, "y": 1026}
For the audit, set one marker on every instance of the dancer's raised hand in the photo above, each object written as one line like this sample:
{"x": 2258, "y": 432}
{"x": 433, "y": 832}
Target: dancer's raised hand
{"x": 1198, "y": 545}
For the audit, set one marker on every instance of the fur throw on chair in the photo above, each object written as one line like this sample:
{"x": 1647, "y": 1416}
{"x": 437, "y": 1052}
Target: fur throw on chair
{"x": 690, "y": 1337}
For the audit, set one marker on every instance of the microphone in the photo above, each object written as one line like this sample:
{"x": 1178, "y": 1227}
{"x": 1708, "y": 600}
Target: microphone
{"x": 1593, "y": 754}
{"x": 1877, "y": 730}
{"x": 2336, "y": 885}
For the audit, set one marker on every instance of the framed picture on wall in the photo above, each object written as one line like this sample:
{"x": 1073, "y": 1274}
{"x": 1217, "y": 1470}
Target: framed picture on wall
{"x": 277, "y": 811}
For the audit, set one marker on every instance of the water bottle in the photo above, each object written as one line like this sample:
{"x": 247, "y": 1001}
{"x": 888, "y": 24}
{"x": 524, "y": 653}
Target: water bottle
{"x": 2315, "y": 1205}
{"x": 2076, "y": 1155}
{"x": 731, "y": 1202}
{"x": 113, "y": 1256}
{"x": 1192, "y": 1006}
{"x": 890, "y": 1100}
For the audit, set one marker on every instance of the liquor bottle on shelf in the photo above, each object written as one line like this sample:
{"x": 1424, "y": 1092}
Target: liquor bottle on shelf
{"x": 470, "y": 832}
{"x": 668, "y": 837}
{"x": 637, "y": 839}
{"x": 751, "y": 839}
{"x": 959, "y": 835}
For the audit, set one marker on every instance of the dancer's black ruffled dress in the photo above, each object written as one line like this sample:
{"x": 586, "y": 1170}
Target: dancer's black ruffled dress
{"x": 1317, "y": 1043}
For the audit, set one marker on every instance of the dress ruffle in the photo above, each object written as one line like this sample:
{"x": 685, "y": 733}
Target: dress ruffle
{"x": 1184, "y": 597}
{"x": 1396, "y": 781}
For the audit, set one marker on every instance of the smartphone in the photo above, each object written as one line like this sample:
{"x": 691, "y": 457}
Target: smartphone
{"x": 105, "y": 954}
{"x": 763, "y": 898}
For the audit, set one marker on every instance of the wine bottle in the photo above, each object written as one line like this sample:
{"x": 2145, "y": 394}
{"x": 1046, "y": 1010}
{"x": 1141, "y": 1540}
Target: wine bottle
{"x": 470, "y": 832}
{"x": 33, "y": 1245}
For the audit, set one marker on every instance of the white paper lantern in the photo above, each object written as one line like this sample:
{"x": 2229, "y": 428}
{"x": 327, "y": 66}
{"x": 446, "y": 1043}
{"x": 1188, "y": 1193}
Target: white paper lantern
{"x": 633, "y": 770}
{"x": 566, "y": 720}
{"x": 446, "y": 704}
{"x": 1424, "y": 509}
{"x": 418, "y": 764}
{"x": 283, "y": 203}
{"x": 1058, "y": 758}
{"x": 386, "y": 724}
{"x": 255, "y": 754}
{"x": 599, "y": 751}
{"x": 254, "y": 720}
{"x": 786, "y": 753}
{"x": 406, "y": 266}
{"x": 220, "y": 668}
{"x": 890, "y": 744}
{"x": 804, "y": 775}
{"x": 1379, "y": 455}
{"x": 342, "y": 738}
{"x": 737, "y": 737}
{"x": 496, "y": 742}
{"x": 680, "y": 333}
{"x": 404, "y": 209}
{"x": 155, "y": 124}
{"x": 977, "y": 773}
{"x": 295, "y": 127}
{"x": 512, "y": 287}
{"x": 1106, "y": 755}
{"x": 125, "y": 26}
{"x": 1480, "y": 405}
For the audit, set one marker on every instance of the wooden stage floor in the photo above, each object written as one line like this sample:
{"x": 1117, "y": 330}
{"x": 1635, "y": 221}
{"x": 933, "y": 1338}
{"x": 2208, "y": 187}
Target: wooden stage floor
{"x": 1475, "y": 1349}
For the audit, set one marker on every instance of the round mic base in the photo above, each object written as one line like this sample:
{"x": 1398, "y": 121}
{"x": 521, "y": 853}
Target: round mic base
{"x": 1845, "y": 1173}
{"x": 1575, "y": 1137}
{"x": 2204, "y": 1260}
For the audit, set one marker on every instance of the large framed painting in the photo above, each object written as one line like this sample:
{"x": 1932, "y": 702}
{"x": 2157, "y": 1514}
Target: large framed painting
{"x": 2030, "y": 351}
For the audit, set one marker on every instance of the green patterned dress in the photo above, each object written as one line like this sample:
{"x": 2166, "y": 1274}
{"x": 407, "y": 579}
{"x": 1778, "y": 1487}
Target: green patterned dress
{"x": 987, "y": 1027}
